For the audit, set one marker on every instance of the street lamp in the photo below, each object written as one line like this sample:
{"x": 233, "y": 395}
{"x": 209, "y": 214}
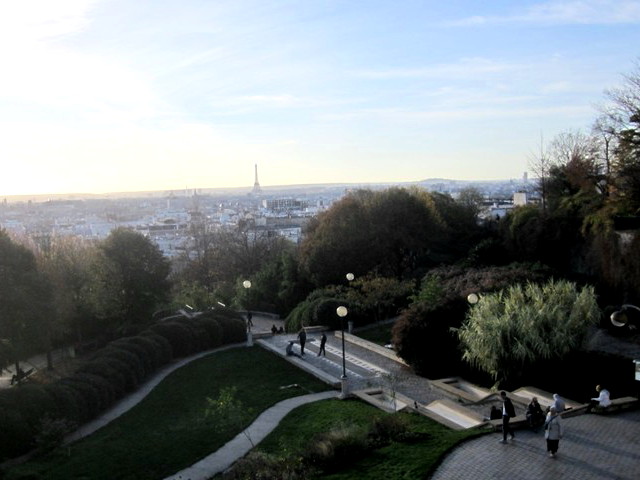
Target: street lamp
{"x": 620, "y": 318}
{"x": 342, "y": 312}
{"x": 473, "y": 298}
{"x": 247, "y": 285}
{"x": 350, "y": 276}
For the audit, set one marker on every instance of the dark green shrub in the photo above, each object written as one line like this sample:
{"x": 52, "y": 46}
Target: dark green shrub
{"x": 179, "y": 335}
{"x": 97, "y": 392}
{"x": 213, "y": 329}
{"x": 234, "y": 329}
{"x": 52, "y": 433}
{"x": 159, "y": 347}
{"x": 142, "y": 354}
{"x": 386, "y": 428}
{"x": 114, "y": 372}
{"x": 200, "y": 334}
{"x": 260, "y": 465}
{"x": 422, "y": 336}
{"x": 33, "y": 402}
{"x": 16, "y": 438}
{"x": 66, "y": 402}
{"x": 335, "y": 449}
{"x": 134, "y": 363}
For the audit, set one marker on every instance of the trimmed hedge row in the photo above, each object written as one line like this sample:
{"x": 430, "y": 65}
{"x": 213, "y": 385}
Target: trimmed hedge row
{"x": 111, "y": 373}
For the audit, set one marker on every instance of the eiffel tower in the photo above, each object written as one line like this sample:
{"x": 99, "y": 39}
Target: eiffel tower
{"x": 256, "y": 185}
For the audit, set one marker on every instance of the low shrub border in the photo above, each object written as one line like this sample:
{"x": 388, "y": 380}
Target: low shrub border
{"x": 107, "y": 376}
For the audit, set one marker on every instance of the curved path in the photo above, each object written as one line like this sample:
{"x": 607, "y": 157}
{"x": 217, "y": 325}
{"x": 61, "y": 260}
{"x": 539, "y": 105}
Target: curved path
{"x": 222, "y": 459}
{"x": 594, "y": 446}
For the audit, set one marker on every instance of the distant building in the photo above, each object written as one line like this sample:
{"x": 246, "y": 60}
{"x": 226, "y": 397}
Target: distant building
{"x": 284, "y": 204}
{"x": 520, "y": 199}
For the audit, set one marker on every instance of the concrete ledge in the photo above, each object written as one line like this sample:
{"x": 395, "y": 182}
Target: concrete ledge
{"x": 545, "y": 399}
{"x": 618, "y": 404}
{"x": 385, "y": 400}
{"x": 374, "y": 347}
{"x": 460, "y": 389}
{"x": 453, "y": 415}
{"x": 298, "y": 362}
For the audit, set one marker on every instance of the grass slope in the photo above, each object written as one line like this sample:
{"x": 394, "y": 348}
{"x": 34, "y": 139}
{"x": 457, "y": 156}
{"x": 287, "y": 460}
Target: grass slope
{"x": 168, "y": 431}
{"x": 396, "y": 461}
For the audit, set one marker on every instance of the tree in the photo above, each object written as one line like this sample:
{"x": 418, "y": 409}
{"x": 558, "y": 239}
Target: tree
{"x": 390, "y": 233}
{"x": 541, "y": 164}
{"x": 226, "y": 255}
{"x": 472, "y": 199}
{"x": 66, "y": 262}
{"x": 623, "y": 115}
{"x": 514, "y": 328}
{"x": 576, "y": 168}
{"x": 24, "y": 296}
{"x": 130, "y": 279}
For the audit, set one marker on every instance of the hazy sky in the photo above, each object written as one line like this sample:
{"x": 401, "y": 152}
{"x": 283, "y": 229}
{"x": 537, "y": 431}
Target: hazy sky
{"x": 120, "y": 95}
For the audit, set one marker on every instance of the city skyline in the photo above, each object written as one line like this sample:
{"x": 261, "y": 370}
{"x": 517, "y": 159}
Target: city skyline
{"x": 106, "y": 96}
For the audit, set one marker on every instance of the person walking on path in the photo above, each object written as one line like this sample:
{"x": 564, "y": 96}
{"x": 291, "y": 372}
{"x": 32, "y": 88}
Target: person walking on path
{"x": 553, "y": 431}
{"x": 507, "y": 413}
{"x": 302, "y": 335}
{"x": 323, "y": 342}
{"x": 249, "y": 321}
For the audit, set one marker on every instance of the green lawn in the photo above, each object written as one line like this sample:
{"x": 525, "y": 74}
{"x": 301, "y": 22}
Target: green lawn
{"x": 398, "y": 460}
{"x": 168, "y": 430}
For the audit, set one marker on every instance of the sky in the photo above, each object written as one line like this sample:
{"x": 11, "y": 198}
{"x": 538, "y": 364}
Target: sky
{"x": 102, "y": 96}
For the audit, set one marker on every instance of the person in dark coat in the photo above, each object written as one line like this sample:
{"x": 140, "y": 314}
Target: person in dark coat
{"x": 535, "y": 415}
{"x": 323, "y": 342}
{"x": 302, "y": 336}
{"x": 249, "y": 321}
{"x": 508, "y": 412}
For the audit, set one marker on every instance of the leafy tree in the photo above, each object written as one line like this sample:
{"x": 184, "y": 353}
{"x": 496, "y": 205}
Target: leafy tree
{"x": 24, "y": 301}
{"x": 130, "y": 279}
{"x": 66, "y": 262}
{"x": 514, "y": 328}
{"x": 221, "y": 257}
{"x": 389, "y": 233}
{"x": 623, "y": 118}
{"x": 472, "y": 199}
{"x": 228, "y": 412}
{"x": 422, "y": 336}
{"x": 277, "y": 287}
{"x": 380, "y": 297}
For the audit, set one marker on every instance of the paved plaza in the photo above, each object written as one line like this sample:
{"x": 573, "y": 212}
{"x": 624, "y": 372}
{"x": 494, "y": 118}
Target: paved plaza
{"x": 594, "y": 447}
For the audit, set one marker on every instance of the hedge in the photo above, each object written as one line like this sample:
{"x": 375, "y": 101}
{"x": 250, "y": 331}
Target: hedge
{"x": 108, "y": 375}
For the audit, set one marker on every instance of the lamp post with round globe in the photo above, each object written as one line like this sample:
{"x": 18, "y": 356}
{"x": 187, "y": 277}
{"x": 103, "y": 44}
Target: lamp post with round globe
{"x": 342, "y": 312}
{"x": 247, "y": 285}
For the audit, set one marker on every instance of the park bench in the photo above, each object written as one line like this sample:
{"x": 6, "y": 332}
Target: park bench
{"x": 618, "y": 404}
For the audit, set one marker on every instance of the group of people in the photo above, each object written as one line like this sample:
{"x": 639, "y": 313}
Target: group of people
{"x": 549, "y": 419}
{"x": 302, "y": 338}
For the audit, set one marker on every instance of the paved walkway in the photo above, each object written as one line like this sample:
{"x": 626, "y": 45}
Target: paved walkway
{"x": 238, "y": 447}
{"x": 594, "y": 446}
